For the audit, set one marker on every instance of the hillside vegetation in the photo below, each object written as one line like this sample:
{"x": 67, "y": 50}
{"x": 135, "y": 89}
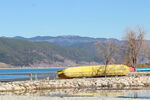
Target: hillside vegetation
{"x": 26, "y": 53}
{"x": 61, "y": 51}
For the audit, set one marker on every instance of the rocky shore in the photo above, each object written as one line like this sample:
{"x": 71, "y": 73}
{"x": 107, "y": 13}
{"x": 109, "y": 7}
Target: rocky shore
{"x": 136, "y": 80}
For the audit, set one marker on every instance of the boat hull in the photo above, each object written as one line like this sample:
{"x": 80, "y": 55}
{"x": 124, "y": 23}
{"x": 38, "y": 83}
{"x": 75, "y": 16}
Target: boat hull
{"x": 93, "y": 71}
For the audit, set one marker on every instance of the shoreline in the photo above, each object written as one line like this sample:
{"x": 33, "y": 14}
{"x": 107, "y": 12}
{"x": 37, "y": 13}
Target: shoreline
{"x": 136, "y": 79}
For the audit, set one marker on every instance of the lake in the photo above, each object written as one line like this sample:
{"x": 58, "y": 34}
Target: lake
{"x": 16, "y": 72}
{"x": 86, "y": 92}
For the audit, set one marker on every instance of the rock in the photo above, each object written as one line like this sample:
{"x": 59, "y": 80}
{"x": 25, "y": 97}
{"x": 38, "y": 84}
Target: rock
{"x": 117, "y": 82}
{"x": 2, "y": 89}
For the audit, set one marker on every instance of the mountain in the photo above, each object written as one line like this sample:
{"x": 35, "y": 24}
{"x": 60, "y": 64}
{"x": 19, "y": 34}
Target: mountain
{"x": 66, "y": 40}
{"x": 56, "y": 51}
{"x": 88, "y": 47}
{"x": 85, "y": 44}
{"x": 26, "y": 53}
{"x": 91, "y": 49}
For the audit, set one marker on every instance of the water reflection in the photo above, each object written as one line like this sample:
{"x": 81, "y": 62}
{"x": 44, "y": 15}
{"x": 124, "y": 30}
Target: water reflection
{"x": 138, "y": 94}
{"x": 121, "y": 93}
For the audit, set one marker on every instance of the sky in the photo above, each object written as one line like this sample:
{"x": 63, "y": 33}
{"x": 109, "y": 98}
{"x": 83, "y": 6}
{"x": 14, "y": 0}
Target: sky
{"x": 90, "y": 18}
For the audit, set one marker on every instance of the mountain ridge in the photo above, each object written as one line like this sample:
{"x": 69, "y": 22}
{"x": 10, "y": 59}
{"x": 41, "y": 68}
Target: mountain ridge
{"x": 55, "y": 51}
{"x": 66, "y": 40}
{"x": 25, "y": 53}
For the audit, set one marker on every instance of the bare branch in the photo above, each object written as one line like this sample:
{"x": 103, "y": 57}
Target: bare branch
{"x": 106, "y": 51}
{"x": 134, "y": 44}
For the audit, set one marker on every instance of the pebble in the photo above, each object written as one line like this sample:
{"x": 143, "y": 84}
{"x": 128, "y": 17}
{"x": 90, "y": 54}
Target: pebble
{"x": 115, "y": 82}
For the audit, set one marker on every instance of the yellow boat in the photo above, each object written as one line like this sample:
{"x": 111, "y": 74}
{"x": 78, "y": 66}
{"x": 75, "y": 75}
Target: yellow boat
{"x": 93, "y": 71}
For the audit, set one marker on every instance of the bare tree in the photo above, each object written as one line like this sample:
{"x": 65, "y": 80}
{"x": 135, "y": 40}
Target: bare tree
{"x": 146, "y": 51}
{"x": 134, "y": 42}
{"x": 106, "y": 51}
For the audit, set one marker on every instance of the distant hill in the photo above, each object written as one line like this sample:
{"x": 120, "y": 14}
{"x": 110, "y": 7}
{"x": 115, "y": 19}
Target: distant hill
{"x": 66, "y": 40}
{"x": 90, "y": 48}
{"x": 83, "y": 43}
{"x": 25, "y": 53}
{"x": 60, "y": 50}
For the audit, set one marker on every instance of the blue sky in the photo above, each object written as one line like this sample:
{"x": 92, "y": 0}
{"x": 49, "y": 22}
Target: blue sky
{"x": 92, "y": 18}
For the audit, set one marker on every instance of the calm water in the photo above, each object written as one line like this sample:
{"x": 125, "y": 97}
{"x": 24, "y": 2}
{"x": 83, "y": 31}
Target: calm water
{"x": 24, "y": 71}
{"x": 45, "y": 70}
{"x": 143, "y": 93}
{"x": 86, "y": 92}
{"x": 142, "y": 69}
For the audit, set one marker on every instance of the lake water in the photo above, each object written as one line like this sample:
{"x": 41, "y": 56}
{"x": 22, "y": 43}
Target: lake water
{"x": 4, "y": 77}
{"x": 86, "y": 92}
